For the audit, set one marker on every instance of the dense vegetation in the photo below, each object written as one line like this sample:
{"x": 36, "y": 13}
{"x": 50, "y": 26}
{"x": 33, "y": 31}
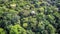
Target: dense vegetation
{"x": 29, "y": 16}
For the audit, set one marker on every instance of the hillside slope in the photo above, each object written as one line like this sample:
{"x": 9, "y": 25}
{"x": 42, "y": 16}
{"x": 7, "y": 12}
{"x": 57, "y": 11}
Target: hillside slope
{"x": 29, "y": 16}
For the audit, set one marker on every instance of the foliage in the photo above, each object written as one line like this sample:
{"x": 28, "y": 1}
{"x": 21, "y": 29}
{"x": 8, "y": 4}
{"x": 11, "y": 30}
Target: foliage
{"x": 2, "y": 31}
{"x": 30, "y": 16}
{"x": 17, "y": 29}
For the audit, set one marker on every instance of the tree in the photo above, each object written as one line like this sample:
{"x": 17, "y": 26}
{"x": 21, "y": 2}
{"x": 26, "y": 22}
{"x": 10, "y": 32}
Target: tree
{"x": 8, "y": 18}
{"x": 30, "y": 16}
{"x": 2, "y": 31}
{"x": 17, "y": 29}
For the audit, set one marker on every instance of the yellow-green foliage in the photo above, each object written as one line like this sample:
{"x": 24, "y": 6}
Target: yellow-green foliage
{"x": 17, "y": 29}
{"x": 2, "y": 31}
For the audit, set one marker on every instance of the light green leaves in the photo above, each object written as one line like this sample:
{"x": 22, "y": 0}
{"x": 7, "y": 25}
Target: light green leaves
{"x": 2, "y": 31}
{"x": 17, "y": 29}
